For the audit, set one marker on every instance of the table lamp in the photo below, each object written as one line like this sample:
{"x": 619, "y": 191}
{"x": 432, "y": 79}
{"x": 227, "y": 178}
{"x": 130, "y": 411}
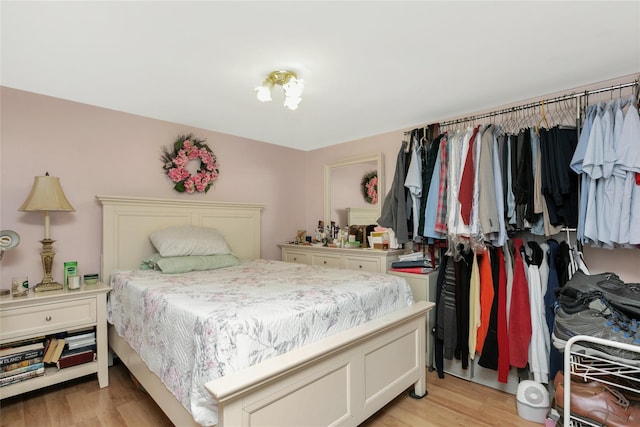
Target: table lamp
{"x": 46, "y": 195}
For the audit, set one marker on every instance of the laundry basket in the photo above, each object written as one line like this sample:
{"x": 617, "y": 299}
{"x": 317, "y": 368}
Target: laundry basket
{"x": 533, "y": 401}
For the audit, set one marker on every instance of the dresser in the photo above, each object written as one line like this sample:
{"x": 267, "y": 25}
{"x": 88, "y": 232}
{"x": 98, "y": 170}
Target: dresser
{"x": 423, "y": 287}
{"x": 373, "y": 260}
{"x": 52, "y": 312}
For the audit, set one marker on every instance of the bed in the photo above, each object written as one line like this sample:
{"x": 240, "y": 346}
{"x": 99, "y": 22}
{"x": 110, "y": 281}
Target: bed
{"x": 340, "y": 379}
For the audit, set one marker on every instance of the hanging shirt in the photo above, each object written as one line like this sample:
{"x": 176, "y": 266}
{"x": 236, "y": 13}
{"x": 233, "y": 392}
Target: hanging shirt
{"x": 486, "y": 298}
{"x": 538, "y": 346}
{"x": 629, "y": 138}
{"x": 432, "y": 149}
{"x": 467, "y": 179}
{"x": 431, "y": 207}
{"x": 476, "y": 227}
{"x": 459, "y": 226}
{"x": 604, "y": 189}
{"x": 576, "y": 165}
{"x": 487, "y": 203}
{"x": 474, "y": 306}
{"x": 441, "y": 213}
{"x": 511, "y": 198}
{"x": 413, "y": 182}
{"x": 499, "y": 239}
{"x": 519, "y": 314}
{"x": 453, "y": 208}
{"x": 592, "y": 166}
{"x": 537, "y": 227}
{"x": 503, "y": 337}
{"x": 615, "y": 184}
{"x": 394, "y": 211}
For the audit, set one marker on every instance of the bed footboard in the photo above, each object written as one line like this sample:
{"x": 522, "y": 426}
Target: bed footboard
{"x": 340, "y": 380}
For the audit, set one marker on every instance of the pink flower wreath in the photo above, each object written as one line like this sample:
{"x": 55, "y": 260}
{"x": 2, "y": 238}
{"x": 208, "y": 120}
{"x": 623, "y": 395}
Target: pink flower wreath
{"x": 185, "y": 149}
{"x": 370, "y": 187}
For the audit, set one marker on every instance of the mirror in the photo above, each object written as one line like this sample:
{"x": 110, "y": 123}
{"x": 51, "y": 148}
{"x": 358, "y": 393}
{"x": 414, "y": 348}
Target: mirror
{"x": 343, "y": 187}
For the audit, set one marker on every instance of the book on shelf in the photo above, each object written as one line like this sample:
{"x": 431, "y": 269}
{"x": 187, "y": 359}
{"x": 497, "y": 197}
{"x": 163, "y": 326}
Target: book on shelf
{"x": 414, "y": 270}
{"x": 17, "y": 371}
{"x": 68, "y": 351}
{"x": 15, "y": 347}
{"x": 21, "y": 377}
{"x": 75, "y": 359}
{"x": 19, "y": 357}
{"x": 21, "y": 364}
{"x": 71, "y": 345}
{"x": 49, "y": 348}
{"x": 78, "y": 339}
{"x": 80, "y": 335}
{"x": 56, "y": 346}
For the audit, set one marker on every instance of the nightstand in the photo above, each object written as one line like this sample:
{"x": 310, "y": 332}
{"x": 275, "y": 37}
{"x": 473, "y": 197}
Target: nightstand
{"x": 53, "y": 312}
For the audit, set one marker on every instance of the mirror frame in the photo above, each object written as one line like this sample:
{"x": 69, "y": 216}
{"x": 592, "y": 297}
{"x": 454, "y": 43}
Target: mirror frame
{"x": 375, "y": 157}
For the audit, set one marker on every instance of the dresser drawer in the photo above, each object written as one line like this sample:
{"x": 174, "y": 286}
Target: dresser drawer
{"x": 361, "y": 263}
{"x": 325, "y": 260}
{"x": 295, "y": 256}
{"x": 37, "y": 319}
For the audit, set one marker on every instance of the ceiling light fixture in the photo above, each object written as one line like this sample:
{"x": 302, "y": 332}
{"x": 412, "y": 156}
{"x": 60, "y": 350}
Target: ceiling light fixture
{"x": 292, "y": 85}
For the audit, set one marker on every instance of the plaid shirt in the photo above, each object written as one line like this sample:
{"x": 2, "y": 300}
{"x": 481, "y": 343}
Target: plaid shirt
{"x": 441, "y": 213}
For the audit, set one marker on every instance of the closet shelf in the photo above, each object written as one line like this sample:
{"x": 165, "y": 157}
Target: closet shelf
{"x": 618, "y": 374}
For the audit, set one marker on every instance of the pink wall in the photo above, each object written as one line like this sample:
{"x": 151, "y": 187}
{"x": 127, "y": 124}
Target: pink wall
{"x": 96, "y": 151}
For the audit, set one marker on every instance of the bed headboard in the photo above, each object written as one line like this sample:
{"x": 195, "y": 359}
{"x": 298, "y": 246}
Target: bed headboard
{"x": 362, "y": 216}
{"x": 127, "y": 222}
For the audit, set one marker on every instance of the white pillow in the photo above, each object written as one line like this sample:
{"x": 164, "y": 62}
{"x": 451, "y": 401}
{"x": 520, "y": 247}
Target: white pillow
{"x": 189, "y": 240}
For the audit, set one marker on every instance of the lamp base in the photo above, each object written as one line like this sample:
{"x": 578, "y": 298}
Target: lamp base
{"x": 47, "y": 254}
{"x": 48, "y": 286}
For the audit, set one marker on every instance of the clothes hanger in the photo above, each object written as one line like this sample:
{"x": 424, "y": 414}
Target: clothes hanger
{"x": 406, "y": 145}
{"x": 544, "y": 116}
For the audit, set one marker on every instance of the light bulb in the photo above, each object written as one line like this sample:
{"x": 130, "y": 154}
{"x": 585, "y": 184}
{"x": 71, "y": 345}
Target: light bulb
{"x": 293, "y": 87}
{"x": 263, "y": 93}
{"x": 292, "y": 102}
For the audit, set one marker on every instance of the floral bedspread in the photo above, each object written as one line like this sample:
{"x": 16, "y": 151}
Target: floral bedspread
{"x": 192, "y": 328}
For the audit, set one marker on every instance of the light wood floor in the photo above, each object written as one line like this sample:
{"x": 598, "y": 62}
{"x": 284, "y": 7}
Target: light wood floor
{"x": 81, "y": 403}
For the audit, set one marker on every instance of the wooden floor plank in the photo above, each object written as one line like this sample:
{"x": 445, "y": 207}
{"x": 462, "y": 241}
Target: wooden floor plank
{"x": 82, "y": 403}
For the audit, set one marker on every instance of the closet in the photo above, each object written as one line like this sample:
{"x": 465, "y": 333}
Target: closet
{"x": 505, "y": 197}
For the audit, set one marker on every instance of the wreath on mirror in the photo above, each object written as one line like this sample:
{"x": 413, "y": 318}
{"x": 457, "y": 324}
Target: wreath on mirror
{"x": 185, "y": 149}
{"x": 370, "y": 187}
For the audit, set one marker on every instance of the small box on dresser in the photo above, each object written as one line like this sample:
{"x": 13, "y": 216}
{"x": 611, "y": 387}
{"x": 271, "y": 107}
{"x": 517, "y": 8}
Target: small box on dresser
{"x": 56, "y": 312}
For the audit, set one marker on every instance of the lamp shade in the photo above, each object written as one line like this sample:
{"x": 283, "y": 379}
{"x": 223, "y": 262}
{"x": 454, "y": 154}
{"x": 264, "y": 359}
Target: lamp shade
{"x": 46, "y": 195}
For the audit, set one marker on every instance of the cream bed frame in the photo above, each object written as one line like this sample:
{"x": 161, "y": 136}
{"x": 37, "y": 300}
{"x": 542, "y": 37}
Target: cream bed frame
{"x": 340, "y": 380}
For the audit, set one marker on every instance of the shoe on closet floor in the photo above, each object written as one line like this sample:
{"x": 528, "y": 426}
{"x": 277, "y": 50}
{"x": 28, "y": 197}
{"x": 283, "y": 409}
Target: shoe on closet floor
{"x": 628, "y": 388}
{"x": 599, "y": 406}
{"x": 597, "y": 319}
{"x": 623, "y": 296}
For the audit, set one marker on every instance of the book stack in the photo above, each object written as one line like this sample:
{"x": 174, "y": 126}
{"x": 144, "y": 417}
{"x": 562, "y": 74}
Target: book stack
{"x": 21, "y": 360}
{"x": 77, "y": 348}
{"x": 418, "y": 266}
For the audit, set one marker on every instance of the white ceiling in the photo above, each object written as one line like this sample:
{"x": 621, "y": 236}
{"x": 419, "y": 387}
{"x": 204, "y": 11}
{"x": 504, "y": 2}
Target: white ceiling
{"x": 369, "y": 67}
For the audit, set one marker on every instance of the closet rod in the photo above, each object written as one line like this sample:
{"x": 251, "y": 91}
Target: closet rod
{"x": 612, "y": 88}
{"x": 537, "y": 104}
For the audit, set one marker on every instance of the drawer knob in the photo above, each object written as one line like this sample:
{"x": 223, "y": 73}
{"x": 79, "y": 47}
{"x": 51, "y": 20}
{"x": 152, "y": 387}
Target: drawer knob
{"x": 324, "y": 262}
{"x": 48, "y": 318}
{"x": 295, "y": 259}
{"x": 359, "y": 266}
